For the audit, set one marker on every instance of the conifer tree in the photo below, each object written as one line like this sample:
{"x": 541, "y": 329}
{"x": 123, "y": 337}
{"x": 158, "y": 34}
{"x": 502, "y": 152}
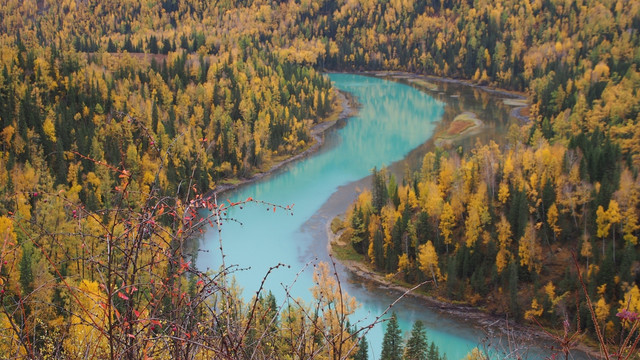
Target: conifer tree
{"x": 363, "y": 350}
{"x": 417, "y": 345}
{"x": 380, "y": 191}
{"x": 434, "y": 353}
{"x": 392, "y": 341}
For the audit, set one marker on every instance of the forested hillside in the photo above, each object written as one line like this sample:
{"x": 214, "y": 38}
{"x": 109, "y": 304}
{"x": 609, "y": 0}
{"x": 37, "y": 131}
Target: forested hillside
{"x": 109, "y": 154}
{"x": 116, "y": 116}
{"x": 498, "y": 225}
{"x": 496, "y": 229}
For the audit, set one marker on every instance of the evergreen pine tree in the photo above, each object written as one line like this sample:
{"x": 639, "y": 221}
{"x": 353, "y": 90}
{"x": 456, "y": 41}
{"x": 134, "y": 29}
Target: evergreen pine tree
{"x": 417, "y": 345}
{"x": 359, "y": 231}
{"x": 363, "y": 350}
{"x": 154, "y": 118}
{"x": 392, "y": 190}
{"x": 392, "y": 341}
{"x": 378, "y": 248}
{"x": 513, "y": 288}
{"x": 434, "y": 353}
{"x": 26, "y": 272}
{"x": 111, "y": 47}
{"x": 379, "y": 190}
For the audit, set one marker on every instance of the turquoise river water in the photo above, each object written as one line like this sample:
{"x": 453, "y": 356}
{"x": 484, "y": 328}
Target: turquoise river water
{"x": 394, "y": 119}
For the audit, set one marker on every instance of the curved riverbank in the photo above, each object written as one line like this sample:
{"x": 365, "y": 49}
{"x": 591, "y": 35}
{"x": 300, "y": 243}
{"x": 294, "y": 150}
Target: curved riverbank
{"x": 494, "y": 325}
{"x": 323, "y": 185}
{"x": 348, "y": 107}
{"x": 489, "y": 89}
{"x": 520, "y": 111}
{"x": 328, "y": 178}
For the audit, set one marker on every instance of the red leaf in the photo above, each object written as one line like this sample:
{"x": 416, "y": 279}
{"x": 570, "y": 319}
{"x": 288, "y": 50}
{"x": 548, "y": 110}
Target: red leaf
{"x": 123, "y": 296}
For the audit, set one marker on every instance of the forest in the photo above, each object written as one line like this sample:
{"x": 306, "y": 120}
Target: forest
{"x": 118, "y": 118}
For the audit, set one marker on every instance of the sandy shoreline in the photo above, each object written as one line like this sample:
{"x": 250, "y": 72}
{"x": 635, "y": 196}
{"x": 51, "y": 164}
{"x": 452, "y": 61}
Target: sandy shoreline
{"x": 406, "y": 75}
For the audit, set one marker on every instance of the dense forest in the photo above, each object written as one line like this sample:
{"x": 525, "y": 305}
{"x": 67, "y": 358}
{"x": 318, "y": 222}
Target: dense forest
{"x": 497, "y": 228}
{"x": 118, "y": 117}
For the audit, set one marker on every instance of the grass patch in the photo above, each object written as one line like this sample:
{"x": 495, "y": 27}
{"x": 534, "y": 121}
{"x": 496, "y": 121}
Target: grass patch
{"x": 515, "y": 102}
{"x": 397, "y": 279}
{"x": 459, "y": 124}
{"x": 231, "y": 181}
{"x": 336, "y": 110}
{"x": 337, "y": 224}
{"x": 346, "y": 252}
{"x": 424, "y": 84}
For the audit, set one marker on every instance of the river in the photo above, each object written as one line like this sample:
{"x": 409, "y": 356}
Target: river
{"x": 393, "y": 128}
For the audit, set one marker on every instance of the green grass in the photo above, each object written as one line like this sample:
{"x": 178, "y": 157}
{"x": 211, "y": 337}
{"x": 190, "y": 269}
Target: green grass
{"x": 460, "y": 124}
{"x": 346, "y": 252}
{"x": 231, "y": 181}
{"x": 515, "y": 102}
{"x": 337, "y": 224}
{"x": 424, "y": 84}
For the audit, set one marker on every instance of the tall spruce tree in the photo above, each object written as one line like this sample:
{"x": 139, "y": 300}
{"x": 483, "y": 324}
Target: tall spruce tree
{"x": 379, "y": 189}
{"x": 363, "y": 350}
{"x": 417, "y": 346}
{"x": 392, "y": 341}
{"x": 434, "y": 352}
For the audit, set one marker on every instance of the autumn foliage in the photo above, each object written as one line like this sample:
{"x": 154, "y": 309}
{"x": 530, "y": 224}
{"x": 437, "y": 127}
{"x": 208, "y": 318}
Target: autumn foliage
{"x": 494, "y": 225}
{"x": 120, "y": 283}
{"x": 118, "y": 117}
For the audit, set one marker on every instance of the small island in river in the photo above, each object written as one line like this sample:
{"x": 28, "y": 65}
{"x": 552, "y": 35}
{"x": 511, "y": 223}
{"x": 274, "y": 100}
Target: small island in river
{"x": 463, "y": 124}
